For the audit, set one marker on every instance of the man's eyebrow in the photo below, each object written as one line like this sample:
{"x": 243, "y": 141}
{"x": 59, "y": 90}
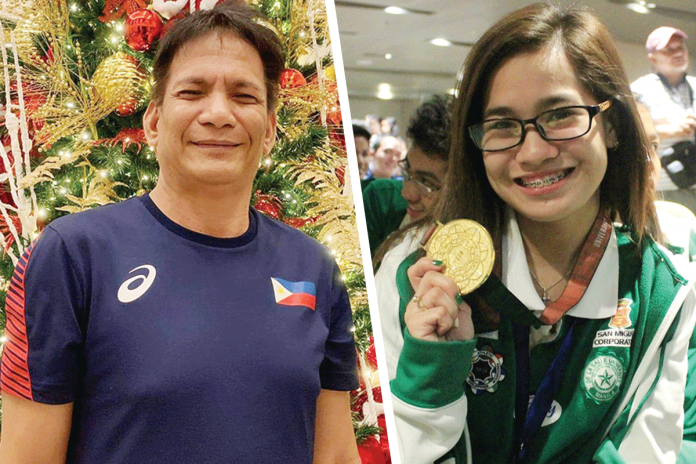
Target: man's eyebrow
{"x": 235, "y": 84}
{"x": 243, "y": 84}
{"x": 190, "y": 80}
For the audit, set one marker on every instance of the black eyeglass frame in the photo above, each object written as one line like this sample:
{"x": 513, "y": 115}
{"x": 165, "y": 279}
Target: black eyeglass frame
{"x": 592, "y": 110}
{"x": 405, "y": 168}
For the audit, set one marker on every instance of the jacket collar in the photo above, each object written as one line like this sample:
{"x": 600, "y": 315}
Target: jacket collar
{"x": 598, "y": 302}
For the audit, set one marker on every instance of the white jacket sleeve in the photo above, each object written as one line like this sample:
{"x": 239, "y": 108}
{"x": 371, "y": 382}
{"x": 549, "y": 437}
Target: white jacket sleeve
{"x": 656, "y": 431}
{"x": 430, "y": 413}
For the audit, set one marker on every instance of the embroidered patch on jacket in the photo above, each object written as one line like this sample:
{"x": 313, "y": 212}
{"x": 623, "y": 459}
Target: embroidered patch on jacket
{"x": 486, "y": 371}
{"x": 602, "y": 378}
{"x": 618, "y": 334}
{"x": 294, "y": 293}
{"x": 622, "y": 317}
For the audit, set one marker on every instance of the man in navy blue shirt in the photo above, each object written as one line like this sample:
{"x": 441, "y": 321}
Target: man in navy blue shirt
{"x": 183, "y": 326}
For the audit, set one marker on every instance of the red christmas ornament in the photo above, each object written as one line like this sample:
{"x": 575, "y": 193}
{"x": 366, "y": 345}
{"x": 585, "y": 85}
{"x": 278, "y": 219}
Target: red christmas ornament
{"x": 370, "y": 451}
{"x": 7, "y": 146}
{"x": 126, "y": 137}
{"x": 333, "y": 116}
{"x": 296, "y": 222}
{"x": 171, "y": 21}
{"x": 268, "y": 204}
{"x": 48, "y": 58}
{"x": 300, "y": 222}
{"x": 370, "y": 353}
{"x": 128, "y": 107}
{"x": 115, "y": 9}
{"x": 384, "y": 438}
{"x": 34, "y": 98}
{"x": 268, "y": 209}
{"x": 360, "y": 399}
{"x": 337, "y": 139}
{"x": 142, "y": 29}
{"x": 377, "y": 394}
{"x": 291, "y": 79}
{"x": 341, "y": 176}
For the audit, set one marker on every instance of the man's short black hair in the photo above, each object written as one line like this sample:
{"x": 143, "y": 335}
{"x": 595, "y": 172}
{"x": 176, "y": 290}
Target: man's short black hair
{"x": 429, "y": 127}
{"x": 361, "y": 131}
{"x": 233, "y": 17}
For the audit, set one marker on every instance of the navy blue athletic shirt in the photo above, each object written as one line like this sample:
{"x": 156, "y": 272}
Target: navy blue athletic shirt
{"x": 178, "y": 347}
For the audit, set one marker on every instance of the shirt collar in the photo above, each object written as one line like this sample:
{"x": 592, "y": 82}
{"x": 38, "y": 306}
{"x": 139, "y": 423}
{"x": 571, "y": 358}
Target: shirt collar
{"x": 600, "y": 298}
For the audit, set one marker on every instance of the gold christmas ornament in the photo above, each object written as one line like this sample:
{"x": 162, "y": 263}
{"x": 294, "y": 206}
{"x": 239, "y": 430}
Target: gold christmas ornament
{"x": 330, "y": 73}
{"x": 26, "y": 33}
{"x": 466, "y": 248}
{"x": 117, "y": 82}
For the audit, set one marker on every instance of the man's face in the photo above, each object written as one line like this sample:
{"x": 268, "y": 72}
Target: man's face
{"x": 362, "y": 147}
{"x": 671, "y": 60}
{"x": 387, "y": 157}
{"x": 213, "y": 125}
{"x": 426, "y": 175}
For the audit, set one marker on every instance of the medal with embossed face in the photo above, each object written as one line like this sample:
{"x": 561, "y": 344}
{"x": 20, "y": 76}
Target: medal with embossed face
{"x": 466, "y": 248}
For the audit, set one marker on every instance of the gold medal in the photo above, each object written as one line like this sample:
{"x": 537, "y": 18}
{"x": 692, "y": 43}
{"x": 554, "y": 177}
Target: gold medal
{"x": 466, "y": 248}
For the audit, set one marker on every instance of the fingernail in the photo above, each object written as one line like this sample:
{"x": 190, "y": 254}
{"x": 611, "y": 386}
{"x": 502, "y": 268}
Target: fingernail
{"x": 459, "y": 298}
{"x": 456, "y": 322}
{"x": 437, "y": 262}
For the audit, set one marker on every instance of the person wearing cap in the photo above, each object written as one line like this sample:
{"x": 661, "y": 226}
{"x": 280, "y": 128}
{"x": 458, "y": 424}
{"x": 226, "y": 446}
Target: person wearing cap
{"x": 668, "y": 93}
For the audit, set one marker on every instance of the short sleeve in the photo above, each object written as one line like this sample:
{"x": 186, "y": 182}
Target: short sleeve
{"x": 41, "y": 357}
{"x": 338, "y": 370}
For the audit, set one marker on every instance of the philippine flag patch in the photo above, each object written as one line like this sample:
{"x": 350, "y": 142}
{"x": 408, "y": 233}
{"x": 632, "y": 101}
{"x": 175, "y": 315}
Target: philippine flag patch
{"x": 294, "y": 293}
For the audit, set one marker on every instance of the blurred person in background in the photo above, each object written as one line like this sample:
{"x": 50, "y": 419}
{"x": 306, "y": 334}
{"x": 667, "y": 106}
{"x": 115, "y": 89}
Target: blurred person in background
{"x": 374, "y": 123}
{"x": 391, "y": 204}
{"x": 668, "y": 94}
{"x": 361, "y": 136}
{"x": 389, "y": 126}
{"x": 387, "y": 151}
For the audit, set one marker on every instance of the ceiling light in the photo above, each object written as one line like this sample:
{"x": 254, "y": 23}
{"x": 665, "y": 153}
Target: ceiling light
{"x": 441, "y": 42}
{"x": 638, "y": 8}
{"x": 384, "y": 92}
{"x": 388, "y": 56}
{"x": 395, "y": 10}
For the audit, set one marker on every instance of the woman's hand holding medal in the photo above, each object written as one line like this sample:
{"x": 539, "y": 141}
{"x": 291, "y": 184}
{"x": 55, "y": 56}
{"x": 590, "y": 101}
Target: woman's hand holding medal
{"x": 437, "y": 312}
{"x": 460, "y": 256}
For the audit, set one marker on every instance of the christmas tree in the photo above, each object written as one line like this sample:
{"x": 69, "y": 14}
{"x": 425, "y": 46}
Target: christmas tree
{"x": 76, "y": 83}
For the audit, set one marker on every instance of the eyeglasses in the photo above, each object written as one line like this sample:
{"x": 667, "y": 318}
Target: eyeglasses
{"x": 425, "y": 187}
{"x": 567, "y": 123}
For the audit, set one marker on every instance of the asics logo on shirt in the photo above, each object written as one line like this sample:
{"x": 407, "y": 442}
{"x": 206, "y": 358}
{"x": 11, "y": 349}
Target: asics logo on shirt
{"x": 126, "y": 294}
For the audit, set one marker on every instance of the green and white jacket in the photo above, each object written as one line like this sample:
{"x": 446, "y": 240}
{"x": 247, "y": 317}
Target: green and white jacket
{"x": 623, "y": 393}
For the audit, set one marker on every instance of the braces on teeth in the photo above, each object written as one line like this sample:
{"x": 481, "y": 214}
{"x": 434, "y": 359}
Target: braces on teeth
{"x": 544, "y": 182}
